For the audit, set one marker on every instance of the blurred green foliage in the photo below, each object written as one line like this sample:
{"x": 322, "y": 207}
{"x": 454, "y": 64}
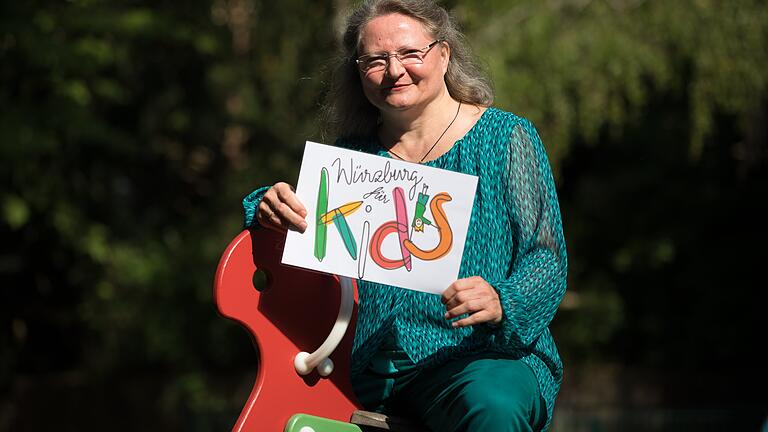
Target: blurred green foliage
{"x": 130, "y": 130}
{"x": 581, "y": 67}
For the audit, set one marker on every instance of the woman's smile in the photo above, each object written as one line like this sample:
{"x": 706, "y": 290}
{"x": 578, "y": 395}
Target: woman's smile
{"x": 397, "y": 87}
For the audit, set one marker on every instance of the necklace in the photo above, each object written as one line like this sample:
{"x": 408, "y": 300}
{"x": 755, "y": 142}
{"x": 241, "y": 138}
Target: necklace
{"x": 435, "y": 144}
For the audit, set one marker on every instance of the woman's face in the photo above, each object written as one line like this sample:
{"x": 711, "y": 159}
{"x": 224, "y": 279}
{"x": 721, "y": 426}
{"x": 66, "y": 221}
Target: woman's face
{"x": 400, "y": 87}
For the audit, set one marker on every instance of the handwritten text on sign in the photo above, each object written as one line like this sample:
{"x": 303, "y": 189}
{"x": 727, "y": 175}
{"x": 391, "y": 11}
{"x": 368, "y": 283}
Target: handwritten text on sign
{"x": 381, "y": 219}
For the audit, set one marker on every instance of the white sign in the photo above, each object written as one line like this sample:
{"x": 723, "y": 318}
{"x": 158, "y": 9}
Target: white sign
{"x": 380, "y": 219}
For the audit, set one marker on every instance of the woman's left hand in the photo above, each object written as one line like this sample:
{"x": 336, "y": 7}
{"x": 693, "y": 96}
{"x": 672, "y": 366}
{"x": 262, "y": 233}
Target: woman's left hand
{"x": 473, "y": 296}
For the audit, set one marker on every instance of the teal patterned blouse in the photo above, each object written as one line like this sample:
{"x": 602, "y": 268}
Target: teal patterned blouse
{"x": 515, "y": 242}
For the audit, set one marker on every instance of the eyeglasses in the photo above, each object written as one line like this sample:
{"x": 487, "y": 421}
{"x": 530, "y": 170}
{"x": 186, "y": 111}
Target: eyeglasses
{"x": 378, "y": 62}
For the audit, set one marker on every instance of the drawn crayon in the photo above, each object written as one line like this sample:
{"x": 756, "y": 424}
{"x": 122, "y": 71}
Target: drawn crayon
{"x": 421, "y": 206}
{"x": 401, "y": 216}
{"x": 346, "y": 234}
{"x": 364, "y": 239}
{"x": 321, "y": 230}
{"x": 346, "y": 210}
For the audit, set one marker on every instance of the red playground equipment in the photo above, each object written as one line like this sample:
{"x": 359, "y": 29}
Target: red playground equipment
{"x": 289, "y": 313}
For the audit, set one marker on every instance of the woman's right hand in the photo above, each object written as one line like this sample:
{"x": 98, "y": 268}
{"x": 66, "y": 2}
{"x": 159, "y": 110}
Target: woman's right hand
{"x": 280, "y": 209}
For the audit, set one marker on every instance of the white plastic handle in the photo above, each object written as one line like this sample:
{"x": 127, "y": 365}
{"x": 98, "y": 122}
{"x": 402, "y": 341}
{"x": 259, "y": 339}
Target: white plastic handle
{"x": 305, "y": 362}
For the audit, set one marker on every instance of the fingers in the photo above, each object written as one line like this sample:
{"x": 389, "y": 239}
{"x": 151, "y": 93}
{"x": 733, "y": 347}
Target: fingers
{"x": 280, "y": 209}
{"x": 269, "y": 219}
{"x": 463, "y": 290}
{"x": 469, "y": 306}
{"x": 288, "y": 197}
{"x": 473, "y": 296}
{"x": 480, "y": 310}
{"x": 476, "y": 318}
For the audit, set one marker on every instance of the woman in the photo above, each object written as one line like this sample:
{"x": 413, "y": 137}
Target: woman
{"x": 480, "y": 357}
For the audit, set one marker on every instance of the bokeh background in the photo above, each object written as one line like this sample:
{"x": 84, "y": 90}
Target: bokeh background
{"x": 130, "y": 131}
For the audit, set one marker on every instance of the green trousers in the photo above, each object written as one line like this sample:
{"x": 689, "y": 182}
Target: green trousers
{"x": 481, "y": 392}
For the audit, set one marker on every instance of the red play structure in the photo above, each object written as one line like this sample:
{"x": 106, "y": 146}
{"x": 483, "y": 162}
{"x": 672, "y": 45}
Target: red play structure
{"x": 289, "y": 312}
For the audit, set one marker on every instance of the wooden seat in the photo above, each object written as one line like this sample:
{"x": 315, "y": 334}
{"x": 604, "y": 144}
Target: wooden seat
{"x": 288, "y": 310}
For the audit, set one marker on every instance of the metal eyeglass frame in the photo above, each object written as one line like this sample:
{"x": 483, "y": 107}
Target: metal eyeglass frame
{"x": 386, "y": 56}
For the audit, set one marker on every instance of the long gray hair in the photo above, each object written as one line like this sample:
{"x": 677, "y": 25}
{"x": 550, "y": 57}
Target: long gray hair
{"x": 347, "y": 112}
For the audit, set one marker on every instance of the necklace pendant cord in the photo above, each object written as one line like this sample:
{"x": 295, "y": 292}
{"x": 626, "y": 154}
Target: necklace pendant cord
{"x": 438, "y": 139}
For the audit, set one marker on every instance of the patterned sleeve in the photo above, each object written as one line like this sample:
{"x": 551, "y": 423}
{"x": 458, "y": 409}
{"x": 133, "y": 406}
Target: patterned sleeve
{"x": 250, "y": 204}
{"x": 536, "y": 279}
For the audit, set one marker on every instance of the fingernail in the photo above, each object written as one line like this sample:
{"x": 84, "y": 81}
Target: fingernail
{"x": 447, "y": 315}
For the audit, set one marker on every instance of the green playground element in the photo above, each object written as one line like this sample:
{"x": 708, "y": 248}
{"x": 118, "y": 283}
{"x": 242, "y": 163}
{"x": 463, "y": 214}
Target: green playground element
{"x": 310, "y": 423}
